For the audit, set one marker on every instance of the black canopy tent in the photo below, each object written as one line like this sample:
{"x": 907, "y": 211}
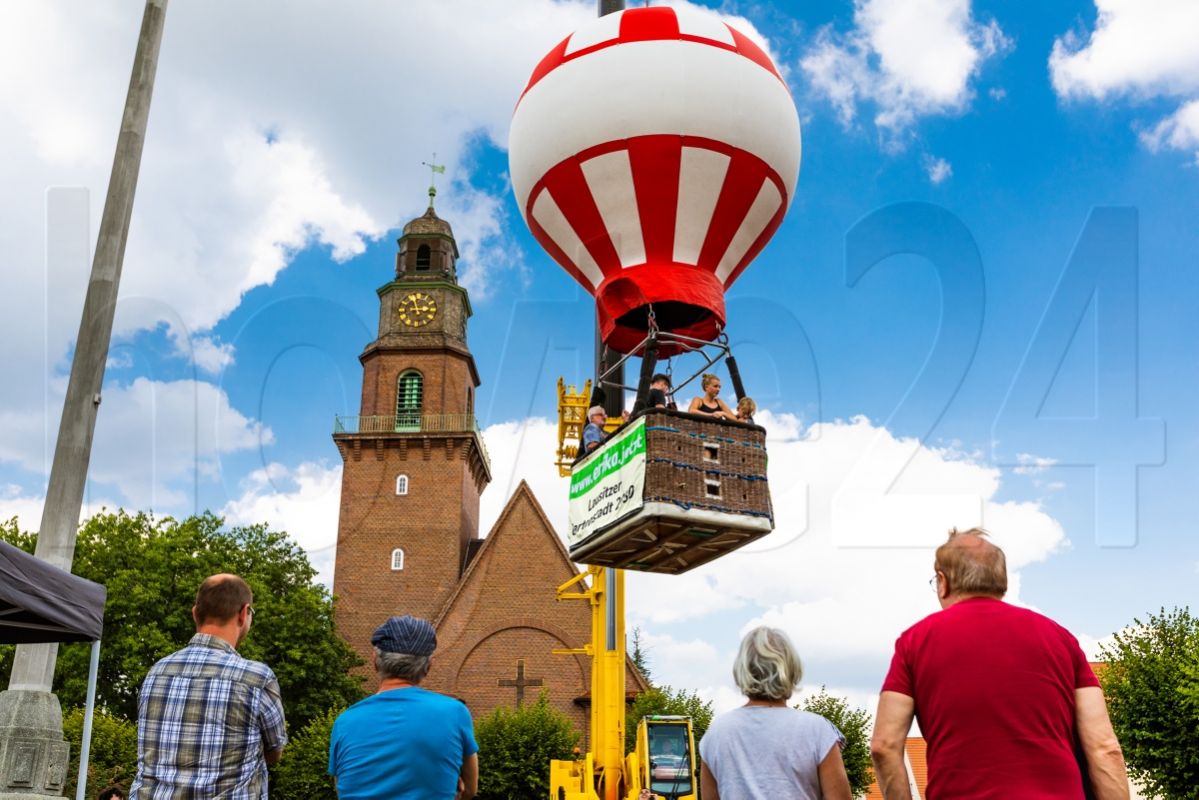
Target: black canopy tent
{"x": 41, "y": 603}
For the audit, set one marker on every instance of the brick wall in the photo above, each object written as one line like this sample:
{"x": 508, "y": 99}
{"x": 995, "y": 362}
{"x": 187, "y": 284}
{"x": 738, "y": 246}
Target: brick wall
{"x": 429, "y": 524}
{"x": 446, "y": 377}
{"x": 506, "y": 611}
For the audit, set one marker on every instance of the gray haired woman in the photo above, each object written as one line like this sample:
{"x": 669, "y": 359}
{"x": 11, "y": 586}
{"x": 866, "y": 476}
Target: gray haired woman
{"x": 765, "y": 750}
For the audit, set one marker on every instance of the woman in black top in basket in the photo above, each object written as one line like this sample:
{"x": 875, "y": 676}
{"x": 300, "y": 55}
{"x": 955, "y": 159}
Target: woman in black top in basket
{"x": 709, "y": 403}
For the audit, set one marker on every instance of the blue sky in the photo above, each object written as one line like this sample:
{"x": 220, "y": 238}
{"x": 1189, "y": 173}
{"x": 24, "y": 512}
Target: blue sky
{"x": 1048, "y": 158}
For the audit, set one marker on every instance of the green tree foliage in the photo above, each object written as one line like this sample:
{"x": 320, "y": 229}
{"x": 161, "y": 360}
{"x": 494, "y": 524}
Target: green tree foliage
{"x": 667, "y": 701}
{"x": 516, "y": 747}
{"x": 1152, "y": 686}
{"x": 152, "y": 568}
{"x": 303, "y": 772}
{"x": 854, "y": 724}
{"x": 1190, "y": 672}
{"x": 112, "y": 759}
{"x": 639, "y": 657}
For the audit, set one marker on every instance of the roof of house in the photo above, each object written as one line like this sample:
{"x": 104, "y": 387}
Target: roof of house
{"x": 917, "y": 758}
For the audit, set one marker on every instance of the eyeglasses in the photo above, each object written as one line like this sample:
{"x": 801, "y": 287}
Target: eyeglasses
{"x": 251, "y": 610}
{"x": 932, "y": 584}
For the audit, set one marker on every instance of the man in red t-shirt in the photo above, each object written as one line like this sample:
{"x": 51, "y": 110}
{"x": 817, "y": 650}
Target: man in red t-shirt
{"x": 1000, "y": 693}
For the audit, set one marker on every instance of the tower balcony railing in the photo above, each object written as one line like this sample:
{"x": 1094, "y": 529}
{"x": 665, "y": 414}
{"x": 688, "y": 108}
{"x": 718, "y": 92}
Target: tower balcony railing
{"x": 414, "y": 423}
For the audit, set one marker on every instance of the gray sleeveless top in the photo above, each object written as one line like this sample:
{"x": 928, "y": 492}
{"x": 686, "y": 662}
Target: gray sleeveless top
{"x": 768, "y": 753}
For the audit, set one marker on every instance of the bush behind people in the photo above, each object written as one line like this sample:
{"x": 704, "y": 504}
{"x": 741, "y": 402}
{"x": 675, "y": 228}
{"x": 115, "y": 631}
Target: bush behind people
{"x": 516, "y": 747}
{"x": 854, "y": 724}
{"x": 303, "y": 772}
{"x": 1151, "y": 681}
{"x": 113, "y": 756}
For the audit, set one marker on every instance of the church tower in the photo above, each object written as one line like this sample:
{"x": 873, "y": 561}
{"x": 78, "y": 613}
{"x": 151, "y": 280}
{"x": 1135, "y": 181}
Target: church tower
{"x": 414, "y": 461}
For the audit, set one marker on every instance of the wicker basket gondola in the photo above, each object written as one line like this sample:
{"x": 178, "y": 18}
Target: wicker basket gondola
{"x": 704, "y": 494}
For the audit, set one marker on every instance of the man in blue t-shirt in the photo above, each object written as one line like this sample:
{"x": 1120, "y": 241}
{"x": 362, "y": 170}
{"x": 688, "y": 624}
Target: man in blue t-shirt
{"x": 404, "y": 742}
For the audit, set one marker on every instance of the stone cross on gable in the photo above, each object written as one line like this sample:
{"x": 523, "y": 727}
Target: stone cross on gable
{"x": 520, "y": 682}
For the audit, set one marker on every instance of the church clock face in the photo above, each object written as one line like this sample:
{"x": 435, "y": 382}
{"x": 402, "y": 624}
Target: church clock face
{"x": 416, "y": 309}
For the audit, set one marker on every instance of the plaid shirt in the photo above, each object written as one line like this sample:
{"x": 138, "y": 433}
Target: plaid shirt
{"x": 205, "y": 717}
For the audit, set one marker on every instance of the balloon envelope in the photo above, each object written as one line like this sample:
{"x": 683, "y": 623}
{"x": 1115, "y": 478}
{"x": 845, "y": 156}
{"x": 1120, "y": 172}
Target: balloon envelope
{"x": 653, "y": 154}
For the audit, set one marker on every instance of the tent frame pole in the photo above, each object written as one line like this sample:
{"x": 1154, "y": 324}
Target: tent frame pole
{"x": 85, "y": 747}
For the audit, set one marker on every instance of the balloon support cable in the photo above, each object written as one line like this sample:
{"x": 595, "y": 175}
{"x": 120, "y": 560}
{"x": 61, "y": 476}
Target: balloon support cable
{"x": 713, "y": 353}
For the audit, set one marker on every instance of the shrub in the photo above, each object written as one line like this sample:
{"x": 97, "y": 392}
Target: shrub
{"x": 113, "y": 755}
{"x": 1151, "y": 681}
{"x": 854, "y": 724}
{"x": 302, "y": 774}
{"x": 516, "y": 747}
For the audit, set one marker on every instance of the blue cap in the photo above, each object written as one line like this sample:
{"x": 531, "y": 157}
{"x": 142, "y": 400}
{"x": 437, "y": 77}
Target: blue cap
{"x": 405, "y": 634}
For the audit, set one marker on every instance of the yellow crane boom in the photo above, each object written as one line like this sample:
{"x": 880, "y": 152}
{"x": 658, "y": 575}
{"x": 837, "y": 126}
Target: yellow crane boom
{"x": 604, "y": 592}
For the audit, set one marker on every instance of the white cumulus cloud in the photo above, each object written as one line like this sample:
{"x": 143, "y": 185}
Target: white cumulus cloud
{"x": 808, "y": 577}
{"x": 907, "y": 58}
{"x": 1137, "y": 46}
{"x": 1139, "y": 50}
{"x": 1179, "y": 131}
{"x": 938, "y": 169}
{"x": 303, "y": 501}
{"x": 822, "y": 565}
{"x": 523, "y": 450}
{"x": 274, "y": 127}
{"x": 15, "y": 503}
{"x": 26, "y": 508}
{"x": 1029, "y": 464}
{"x": 154, "y": 442}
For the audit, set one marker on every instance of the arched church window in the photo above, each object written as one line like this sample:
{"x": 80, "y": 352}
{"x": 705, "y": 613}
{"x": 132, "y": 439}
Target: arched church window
{"x": 409, "y": 396}
{"x": 397, "y": 559}
{"x": 424, "y": 257}
{"x": 401, "y": 484}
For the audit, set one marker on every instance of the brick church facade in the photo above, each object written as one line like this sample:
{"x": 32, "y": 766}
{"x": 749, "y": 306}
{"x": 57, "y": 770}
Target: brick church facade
{"x": 408, "y": 533}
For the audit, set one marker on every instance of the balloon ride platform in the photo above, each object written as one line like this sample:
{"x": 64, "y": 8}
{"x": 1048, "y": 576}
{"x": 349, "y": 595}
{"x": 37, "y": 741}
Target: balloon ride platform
{"x": 668, "y": 492}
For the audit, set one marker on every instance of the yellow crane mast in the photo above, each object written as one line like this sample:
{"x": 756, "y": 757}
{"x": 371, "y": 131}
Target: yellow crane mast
{"x": 599, "y": 775}
{"x": 663, "y": 758}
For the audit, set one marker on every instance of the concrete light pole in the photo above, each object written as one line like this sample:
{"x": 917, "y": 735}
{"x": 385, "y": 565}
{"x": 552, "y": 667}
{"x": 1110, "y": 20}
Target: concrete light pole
{"x": 33, "y": 753}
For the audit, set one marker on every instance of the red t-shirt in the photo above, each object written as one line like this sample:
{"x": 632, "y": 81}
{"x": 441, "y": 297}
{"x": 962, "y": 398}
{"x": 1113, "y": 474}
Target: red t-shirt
{"x": 994, "y": 691}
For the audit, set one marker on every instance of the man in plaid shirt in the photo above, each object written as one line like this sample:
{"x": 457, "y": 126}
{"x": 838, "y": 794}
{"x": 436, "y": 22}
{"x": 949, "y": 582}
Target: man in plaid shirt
{"x": 209, "y": 721}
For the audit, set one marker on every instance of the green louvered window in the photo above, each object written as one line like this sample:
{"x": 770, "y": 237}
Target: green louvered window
{"x": 409, "y": 394}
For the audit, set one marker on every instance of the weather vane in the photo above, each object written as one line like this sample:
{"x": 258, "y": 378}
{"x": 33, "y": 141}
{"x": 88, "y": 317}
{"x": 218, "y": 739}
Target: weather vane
{"x": 435, "y": 169}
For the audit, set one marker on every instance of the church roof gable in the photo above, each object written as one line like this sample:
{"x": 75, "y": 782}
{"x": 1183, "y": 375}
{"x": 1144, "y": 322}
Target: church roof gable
{"x": 523, "y": 496}
{"x": 505, "y": 527}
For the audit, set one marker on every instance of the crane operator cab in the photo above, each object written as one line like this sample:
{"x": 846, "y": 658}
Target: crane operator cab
{"x": 669, "y": 767}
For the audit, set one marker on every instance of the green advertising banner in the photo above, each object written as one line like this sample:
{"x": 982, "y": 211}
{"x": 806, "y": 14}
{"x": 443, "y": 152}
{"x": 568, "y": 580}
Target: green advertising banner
{"x": 607, "y": 485}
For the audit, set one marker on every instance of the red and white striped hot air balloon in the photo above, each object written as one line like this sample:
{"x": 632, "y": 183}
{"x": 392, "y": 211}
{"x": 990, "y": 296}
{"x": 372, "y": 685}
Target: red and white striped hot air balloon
{"x": 653, "y": 154}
